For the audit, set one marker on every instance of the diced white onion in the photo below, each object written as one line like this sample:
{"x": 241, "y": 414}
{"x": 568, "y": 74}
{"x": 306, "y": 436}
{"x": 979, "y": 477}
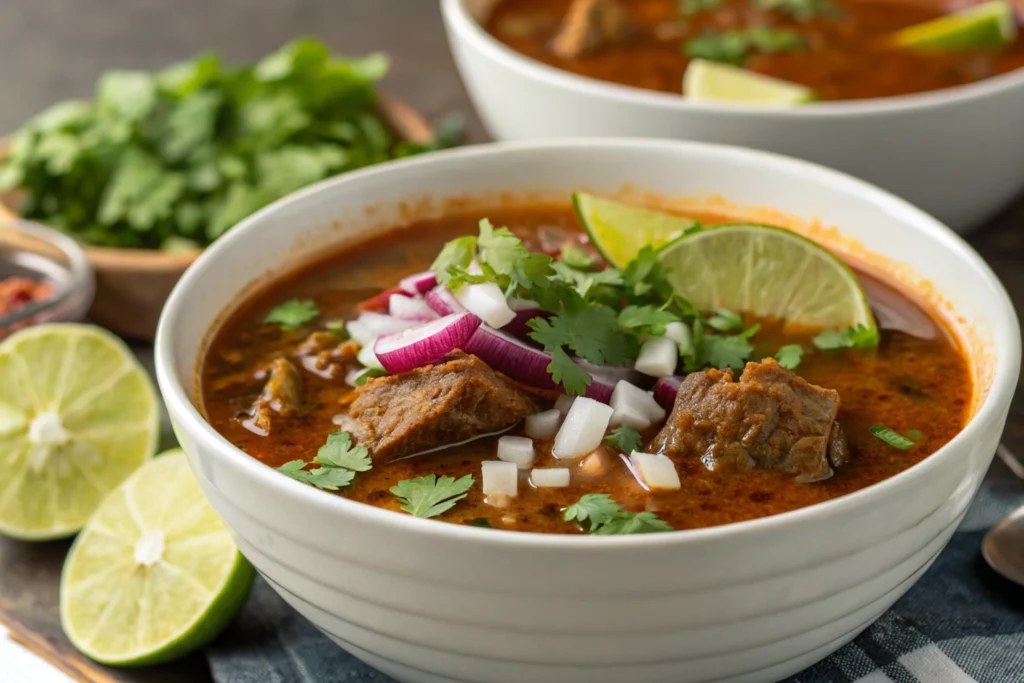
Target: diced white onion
{"x": 368, "y": 326}
{"x": 487, "y": 302}
{"x": 518, "y": 305}
{"x": 658, "y": 357}
{"x": 360, "y": 333}
{"x": 543, "y": 425}
{"x": 680, "y": 333}
{"x": 656, "y": 471}
{"x": 564, "y": 403}
{"x": 551, "y": 477}
{"x": 368, "y": 358}
{"x": 516, "y": 449}
{"x": 630, "y": 402}
{"x": 583, "y": 428}
{"x": 410, "y": 308}
{"x": 499, "y": 477}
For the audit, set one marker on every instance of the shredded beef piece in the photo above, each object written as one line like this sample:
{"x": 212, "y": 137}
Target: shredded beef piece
{"x": 434, "y": 406}
{"x": 770, "y": 418}
{"x": 281, "y": 395}
{"x": 591, "y": 26}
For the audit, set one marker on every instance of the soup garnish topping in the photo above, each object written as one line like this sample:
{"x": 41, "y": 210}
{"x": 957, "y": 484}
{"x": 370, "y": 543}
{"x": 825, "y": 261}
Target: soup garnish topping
{"x": 523, "y": 381}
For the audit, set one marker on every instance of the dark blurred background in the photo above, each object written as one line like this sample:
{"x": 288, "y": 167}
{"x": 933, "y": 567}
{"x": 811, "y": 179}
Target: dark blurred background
{"x": 56, "y": 49}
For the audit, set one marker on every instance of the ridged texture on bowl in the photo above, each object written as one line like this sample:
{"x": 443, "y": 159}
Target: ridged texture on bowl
{"x": 429, "y": 602}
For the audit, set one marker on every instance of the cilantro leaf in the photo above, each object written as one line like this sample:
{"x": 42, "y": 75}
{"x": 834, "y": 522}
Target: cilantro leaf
{"x": 575, "y": 257}
{"x": 734, "y": 46}
{"x": 292, "y": 314}
{"x": 648, "y": 319}
{"x": 607, "y": 517}
{"x": 891, "y": 437}
{"x": 429, "y": 495}
{"x": 339, "y": 452}
{"x": 564, "y": 371}
{"x": 592, "y": 333}
{"x": 725, "y": 320}
{"x": 338, "y": 462}
{"x": 624, "y": 438}
{"x": 688, "y": 8}
{"x": 856, "y": 337}
{"x": 802, "y": 10}
{"x": 721, "y": 351}
{"x": 789, "y": 356}
{"x": 500, "y": 249}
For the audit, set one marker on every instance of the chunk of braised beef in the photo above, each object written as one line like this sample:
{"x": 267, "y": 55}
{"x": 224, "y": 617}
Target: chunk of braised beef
{"x": 434, "y": 406}
{"x": 281, "y": 395}
{"x": 323, "y": 354}
{"x": 770, "y": 418}
{"x": 591, "y": 26}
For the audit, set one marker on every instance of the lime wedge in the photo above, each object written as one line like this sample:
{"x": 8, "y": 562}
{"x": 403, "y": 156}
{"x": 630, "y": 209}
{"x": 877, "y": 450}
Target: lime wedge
{"x": 619, "y": 231}
{"x": 78, "y": 414}
{"x": 706, "y": 80}
{"x": 768, "y": 272}
{"x": 991, "y": 24}
{"x": 154, "y": 574}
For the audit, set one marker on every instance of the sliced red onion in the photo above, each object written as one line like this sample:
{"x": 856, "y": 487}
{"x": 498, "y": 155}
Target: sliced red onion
{"x": 410, "y": 308}
{"x": 582, "y": 430}
{"x": 487, "y": 302}
{"x": 658, "y": 357}
{"x": 426, "y": 344}
{"x": 443, "y": 301}
{"x": 418, "y": 283}
{"x": 522, "y": 362}
{"x": 665, "y": 391}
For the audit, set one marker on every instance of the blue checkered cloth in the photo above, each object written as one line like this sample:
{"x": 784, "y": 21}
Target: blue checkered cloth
{"x": 961, "y": 623}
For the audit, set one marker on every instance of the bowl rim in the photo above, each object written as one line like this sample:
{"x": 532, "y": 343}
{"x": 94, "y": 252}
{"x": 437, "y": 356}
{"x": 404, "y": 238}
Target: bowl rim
{"x": 189, "y": 418}
{"x": 463, "y": 25}
{"x": 81, "y": 279}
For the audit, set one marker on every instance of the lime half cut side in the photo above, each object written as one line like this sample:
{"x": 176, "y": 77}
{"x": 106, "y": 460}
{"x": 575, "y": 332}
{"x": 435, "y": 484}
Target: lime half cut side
{"x": 620, "y": 231}
{"x": 78, "y": 414}
{"x": 769, "y": 272}
{"x": 991, "y": 24}
{"x": 155, "y": 574}
{"x": 704, "y": 80}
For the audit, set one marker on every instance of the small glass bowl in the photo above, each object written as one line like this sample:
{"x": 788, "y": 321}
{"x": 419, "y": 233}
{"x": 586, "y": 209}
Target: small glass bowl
{"x": 45, "y": 255}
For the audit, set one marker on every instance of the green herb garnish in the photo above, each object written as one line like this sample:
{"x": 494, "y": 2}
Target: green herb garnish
{"x": 802, "y": 10}
{"x": 174, "y": 159}
{"x": 625, "y": 439}
{"x": 339, "y": 461}
{"x": 430, "y": 495}
{"x": 688, "y": 8}
{"x": 733, "y": 47}
{"x": 720, "y": 350}
{"x": 891, "y": 437}
{"x": 481, "y": 522}
{"x": 789, "y": 356}
{"x": 575, "y": 257}
{"x": 368, "y": 374}
{"x": 292, "y": 314}
{"x": 607, "y": 518}
{"x": 856, "y": 337}
{"x": 725, "y": 320}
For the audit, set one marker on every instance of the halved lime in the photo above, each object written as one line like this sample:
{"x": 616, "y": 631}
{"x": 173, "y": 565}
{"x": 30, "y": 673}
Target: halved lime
{"x": 154, "y": 574}
{"x": 78, "y": 414}
{"x": 619, "y": 231}
{"x": 991, "y": 24}
{"x": 768, "y": 272}
{"x": 704, "y": 80}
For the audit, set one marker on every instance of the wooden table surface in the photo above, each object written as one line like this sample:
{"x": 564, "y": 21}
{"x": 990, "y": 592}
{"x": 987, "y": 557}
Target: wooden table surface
{"x": 55, "y": 49}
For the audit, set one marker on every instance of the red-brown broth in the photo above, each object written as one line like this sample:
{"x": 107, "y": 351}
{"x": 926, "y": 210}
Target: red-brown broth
{"x": 917, "y": 381}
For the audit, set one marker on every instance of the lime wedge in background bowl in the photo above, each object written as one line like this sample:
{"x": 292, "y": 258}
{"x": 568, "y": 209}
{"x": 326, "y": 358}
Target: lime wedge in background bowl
{"x": 991, "y": 24}
{"x": 155, "y": 574}
{"x": 78, "y": 414}
{"x": 619, "y": 231}
{"x": 768, "y": 272}
{"x": 706, "y": 80}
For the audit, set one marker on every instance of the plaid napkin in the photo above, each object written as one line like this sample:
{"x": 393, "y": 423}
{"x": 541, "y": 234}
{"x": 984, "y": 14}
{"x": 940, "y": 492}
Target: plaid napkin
{"x": 961, "y": 623}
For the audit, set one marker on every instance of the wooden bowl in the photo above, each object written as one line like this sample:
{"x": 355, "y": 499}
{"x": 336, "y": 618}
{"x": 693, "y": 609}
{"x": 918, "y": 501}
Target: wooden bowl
{"x": 133, "y": 284}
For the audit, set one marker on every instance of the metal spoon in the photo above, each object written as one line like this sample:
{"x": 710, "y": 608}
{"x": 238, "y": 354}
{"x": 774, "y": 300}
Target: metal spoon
{"x": 1003, "y": 547}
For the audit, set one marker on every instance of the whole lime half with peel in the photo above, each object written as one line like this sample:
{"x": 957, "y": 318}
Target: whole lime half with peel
{"x": 991, "y": 24}
{"x": 620, "y": 231}
{"x": 78, "y": 414}
{"x": 769, "y": 272}
{"x": 706, "y": 80}
{"x": 155, "y": 574}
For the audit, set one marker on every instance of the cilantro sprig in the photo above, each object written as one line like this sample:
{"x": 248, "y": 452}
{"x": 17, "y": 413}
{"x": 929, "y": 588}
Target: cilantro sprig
{"x": 802, "y": 10}
{"x": 789, "y": 356}
{"x": 734, "y": 46}
{"x": 292, "y": 314}
{"x": 855, "y": 337}
{"x": 607, "y": 518}
{"x": 625, "y": 439}
{"x": 430, "y": 495}
{"x": 338, "y": 459}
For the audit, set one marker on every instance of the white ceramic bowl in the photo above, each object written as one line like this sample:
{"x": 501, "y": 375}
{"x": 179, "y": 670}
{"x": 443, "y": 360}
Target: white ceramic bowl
{"x": 428, "y": 602}
{"x": 956, "y": 153}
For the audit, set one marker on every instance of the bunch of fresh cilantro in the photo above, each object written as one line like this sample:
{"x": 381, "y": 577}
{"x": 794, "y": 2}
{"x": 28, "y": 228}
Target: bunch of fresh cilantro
{"x": 174, "y": 159}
